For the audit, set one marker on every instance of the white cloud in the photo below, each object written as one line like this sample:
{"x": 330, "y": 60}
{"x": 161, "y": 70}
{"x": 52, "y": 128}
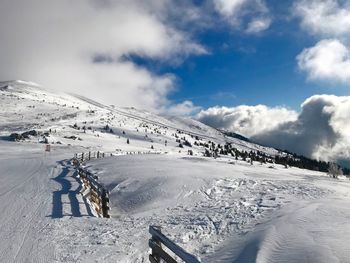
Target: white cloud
{"x": 258, "y": 25}
{"x": 229, "y": 8}
{"x": 54, "y": 43}
{"x": 324, "y": 17}
{"x": 253, "y": 15}
{"x": 338, "y": 109}
{"x": 321, "y": 130}
{"x": 185, "y": 108}
{"x": 246, "y": 120}
{"x": 328, "y": 60}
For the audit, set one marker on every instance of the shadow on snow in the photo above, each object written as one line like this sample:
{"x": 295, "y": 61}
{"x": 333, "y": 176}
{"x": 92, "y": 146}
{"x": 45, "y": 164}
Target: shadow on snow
{"x": 72, "y": 194}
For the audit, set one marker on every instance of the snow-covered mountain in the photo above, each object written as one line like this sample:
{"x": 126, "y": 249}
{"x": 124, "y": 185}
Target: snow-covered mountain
{"x": 237, "y": 207}
{"x": 67, "y": 119}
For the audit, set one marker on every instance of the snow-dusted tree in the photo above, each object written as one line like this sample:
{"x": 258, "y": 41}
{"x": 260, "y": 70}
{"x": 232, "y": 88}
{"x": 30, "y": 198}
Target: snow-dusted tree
{"x": 207, "y": 153}
{"x": 334, "y": 170}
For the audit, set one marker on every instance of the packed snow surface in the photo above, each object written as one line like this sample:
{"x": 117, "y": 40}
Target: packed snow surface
{"x": 221, "y": 210}
{"x": 230, "y": 212}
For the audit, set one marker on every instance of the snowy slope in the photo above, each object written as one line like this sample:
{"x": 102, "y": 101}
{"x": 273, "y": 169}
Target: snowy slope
{"x": 225, "y": 212}
{"x": 221, "y": 210}
{"x": 26, "y": 106}
{"x": 35, "y": 190}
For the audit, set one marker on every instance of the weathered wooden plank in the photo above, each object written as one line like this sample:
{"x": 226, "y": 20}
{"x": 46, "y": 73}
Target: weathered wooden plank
{"x": 105, "y": 206}
{"x": 97, "y": 209}
{"x": 95, "y": 200}
{"x": 158, "y": 251}
{"x": 180, "y": 252}
{"x": 152, "y": 259}
{"x": 97, "y": 195}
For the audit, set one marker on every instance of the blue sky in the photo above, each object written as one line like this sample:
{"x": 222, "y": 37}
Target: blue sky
{"x": 249, "y": 69}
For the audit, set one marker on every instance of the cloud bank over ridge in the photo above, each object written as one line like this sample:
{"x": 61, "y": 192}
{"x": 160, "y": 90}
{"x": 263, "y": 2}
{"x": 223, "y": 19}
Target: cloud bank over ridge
{"x": 320, "y": 130}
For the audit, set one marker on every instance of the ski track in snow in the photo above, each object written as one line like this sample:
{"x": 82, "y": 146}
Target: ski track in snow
{"x": 26, "y": 196}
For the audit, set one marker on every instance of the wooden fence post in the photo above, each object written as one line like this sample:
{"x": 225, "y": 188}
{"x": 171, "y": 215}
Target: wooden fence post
{"x": 159, "y": 254}
{"x": 98, "y": 195}
{"x": 157, "y": 241}
{"x": 105, "y": 201}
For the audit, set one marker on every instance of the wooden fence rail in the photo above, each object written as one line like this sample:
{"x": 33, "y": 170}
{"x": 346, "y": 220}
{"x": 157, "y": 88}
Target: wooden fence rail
{"x": 87, "y": 156}
{"x": 95, "y": 192}
{"x": 159, "y": 255}
{"x": 92, "y": 190}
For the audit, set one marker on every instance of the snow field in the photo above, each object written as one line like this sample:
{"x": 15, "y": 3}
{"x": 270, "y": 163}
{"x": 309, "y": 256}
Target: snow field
{"x": 200, "y": 210}
{"x": 221, "y": 210}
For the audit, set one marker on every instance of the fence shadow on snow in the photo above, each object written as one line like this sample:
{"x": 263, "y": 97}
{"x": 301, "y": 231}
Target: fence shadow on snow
{"x": 67, "y": 196}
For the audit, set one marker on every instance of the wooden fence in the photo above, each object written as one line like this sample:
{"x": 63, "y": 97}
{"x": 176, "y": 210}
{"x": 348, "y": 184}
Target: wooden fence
{"x": 95, "y": 192}
{"x": 159, "y": 255}
{"x": 87, "y": 156}
{"x": 92, "y": 190}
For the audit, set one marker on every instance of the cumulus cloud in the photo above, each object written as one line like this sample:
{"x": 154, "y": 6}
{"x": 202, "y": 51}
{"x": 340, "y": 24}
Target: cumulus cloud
{"x": 236, "y": 12}
{"x": 229, "y": 8}
{"x": 258, "y": 25}
{"x": 246, "y": 120}
{"x": 324, "y": 17}
{"x": 328, "y": 60}
{"x": 82, "y": 46}
{"x": 321, "y": 130}
{"x": 185, "y": 108}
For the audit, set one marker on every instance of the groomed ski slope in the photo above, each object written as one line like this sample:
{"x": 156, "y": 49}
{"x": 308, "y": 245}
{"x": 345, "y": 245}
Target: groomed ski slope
{"x": 36, "y": 190}
{"x": 221, "y": 210}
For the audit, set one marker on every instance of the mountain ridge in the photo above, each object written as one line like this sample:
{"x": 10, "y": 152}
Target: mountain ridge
{"x": 67, "y": 120}
{"x": 59, "y": 111}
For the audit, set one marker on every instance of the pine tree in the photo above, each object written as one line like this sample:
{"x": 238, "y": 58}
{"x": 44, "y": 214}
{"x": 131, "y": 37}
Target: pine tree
{"x": 334, "y": 170}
